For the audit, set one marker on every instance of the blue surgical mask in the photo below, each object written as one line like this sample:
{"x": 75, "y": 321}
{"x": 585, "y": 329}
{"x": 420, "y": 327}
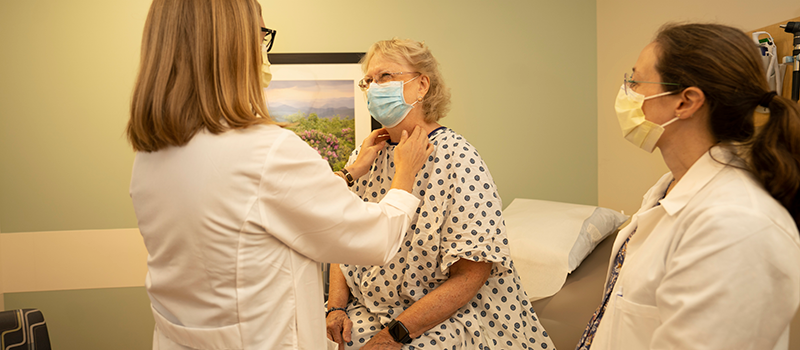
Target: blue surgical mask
{"x": 387, "y": 104}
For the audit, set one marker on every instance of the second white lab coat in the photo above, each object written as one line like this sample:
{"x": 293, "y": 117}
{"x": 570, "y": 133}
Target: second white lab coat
{"x": 715, "y": 266}
{"x": 235, "y": 225}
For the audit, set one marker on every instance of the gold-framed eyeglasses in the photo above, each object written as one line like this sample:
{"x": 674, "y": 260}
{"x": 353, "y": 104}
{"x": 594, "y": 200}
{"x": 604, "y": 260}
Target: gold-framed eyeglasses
{"x": 629, "y": 83}
{"x": 382, "y": 78}
{"x": 269, "y": 37}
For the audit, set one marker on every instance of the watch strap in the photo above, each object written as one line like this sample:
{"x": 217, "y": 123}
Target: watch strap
{"x": 348, "y": 177}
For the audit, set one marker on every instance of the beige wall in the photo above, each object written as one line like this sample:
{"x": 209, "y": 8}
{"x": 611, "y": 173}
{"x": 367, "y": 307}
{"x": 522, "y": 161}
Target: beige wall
{"x": 624, "y": 27}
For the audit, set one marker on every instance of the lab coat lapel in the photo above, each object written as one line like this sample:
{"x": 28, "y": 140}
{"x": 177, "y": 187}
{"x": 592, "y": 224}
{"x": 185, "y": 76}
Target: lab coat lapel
{"x": 648, "y": 201}
{"x": 648, "y": 220}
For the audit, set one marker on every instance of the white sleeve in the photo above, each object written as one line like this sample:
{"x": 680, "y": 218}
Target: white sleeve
{"x": 732, "y": 283}
{"x": 310, "y": 209}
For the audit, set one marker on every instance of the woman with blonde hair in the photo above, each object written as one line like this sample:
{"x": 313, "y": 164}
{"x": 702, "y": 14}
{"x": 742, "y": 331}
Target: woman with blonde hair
{"x": 452, "y": 284}
{"x": 236, "y": 211}
{"x": 712, "y": 258}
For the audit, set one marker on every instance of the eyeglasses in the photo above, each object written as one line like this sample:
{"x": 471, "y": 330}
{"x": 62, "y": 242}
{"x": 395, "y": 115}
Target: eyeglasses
{"x": 629, "y": 83}
{"x": 269, "y": 37}
{"x": 383, "y": 78}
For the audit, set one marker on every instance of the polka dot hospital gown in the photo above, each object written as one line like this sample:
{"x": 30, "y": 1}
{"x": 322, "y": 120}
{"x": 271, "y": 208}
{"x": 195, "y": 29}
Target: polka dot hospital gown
{"x": 459, "y": 218}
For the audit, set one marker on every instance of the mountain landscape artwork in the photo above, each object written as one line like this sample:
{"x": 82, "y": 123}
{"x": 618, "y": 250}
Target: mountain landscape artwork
{"x": 321, "y": 112}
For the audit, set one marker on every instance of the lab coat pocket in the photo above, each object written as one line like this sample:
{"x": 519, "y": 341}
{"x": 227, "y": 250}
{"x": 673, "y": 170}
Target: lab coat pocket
{"x": 633, "y": 324}
{"x": 170, "y": 334}
{"x": 332, "y": 344}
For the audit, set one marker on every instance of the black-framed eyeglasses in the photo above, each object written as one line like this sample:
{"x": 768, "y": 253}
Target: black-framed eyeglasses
{"x": 382, "y": 78}
{"x": 629, "y": 83}
{"x": 269, "y": 37}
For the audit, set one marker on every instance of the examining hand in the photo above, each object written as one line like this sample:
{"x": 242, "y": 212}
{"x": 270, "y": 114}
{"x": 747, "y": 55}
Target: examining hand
{"x": 382, "y": 341}
{"x": 369, "y": 151}
{"x": 339, "y": 327}
{"x": 410, "y": 156}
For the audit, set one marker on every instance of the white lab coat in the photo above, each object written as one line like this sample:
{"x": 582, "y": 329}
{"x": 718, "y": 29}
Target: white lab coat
{"x": 715, "y": 266}
{"x": 234, "y": 226}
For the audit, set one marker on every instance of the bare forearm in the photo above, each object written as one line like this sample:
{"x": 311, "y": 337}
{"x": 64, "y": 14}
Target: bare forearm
{"x": 339, "y": 293}
{"x": 441, "y": 303}
{"x": 404, "y": 180}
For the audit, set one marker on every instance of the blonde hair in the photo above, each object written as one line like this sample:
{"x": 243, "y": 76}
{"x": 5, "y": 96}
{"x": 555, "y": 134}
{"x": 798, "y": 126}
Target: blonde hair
{"x": 200, "y": 69}
{"x": 436, "y": 103}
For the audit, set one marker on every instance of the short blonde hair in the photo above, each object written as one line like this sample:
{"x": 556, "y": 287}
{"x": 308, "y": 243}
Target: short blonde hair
{"x": 200, "y": 69}
{"x": 416, "y": 54}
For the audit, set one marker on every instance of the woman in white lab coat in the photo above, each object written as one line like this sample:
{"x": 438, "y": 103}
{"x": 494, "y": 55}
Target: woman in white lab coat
{"x": 236, "y": 211}
{"x": 712, "y": 258}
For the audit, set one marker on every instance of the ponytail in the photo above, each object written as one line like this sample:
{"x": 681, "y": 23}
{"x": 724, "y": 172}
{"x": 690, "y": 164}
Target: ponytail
{"x": 775, "y": 153}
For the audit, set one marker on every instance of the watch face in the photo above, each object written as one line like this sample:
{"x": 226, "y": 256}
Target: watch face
{"x": 399, "y": 332}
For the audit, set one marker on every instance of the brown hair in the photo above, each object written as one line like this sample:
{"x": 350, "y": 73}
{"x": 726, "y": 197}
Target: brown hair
{"x": 200, "y": 69}
{"x": 437, "y": 102}
{"x": 725, "y": 64}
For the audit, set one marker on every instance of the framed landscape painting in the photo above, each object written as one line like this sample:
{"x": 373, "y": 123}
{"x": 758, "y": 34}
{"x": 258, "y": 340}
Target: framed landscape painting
{"x": 318, "y": 93}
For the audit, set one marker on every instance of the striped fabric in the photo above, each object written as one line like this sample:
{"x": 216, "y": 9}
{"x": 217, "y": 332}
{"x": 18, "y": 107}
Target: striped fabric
{"x": 588, "y": 334}
{"x": 23, "y": 329}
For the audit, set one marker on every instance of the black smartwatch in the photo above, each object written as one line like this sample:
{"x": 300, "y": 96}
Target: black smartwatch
{"x": 399, "y": 332}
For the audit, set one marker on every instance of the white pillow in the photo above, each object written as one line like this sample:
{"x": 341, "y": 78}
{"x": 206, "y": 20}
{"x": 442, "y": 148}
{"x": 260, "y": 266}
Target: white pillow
{"x": 548, "y": 240}
{"x": 594, "y": 230}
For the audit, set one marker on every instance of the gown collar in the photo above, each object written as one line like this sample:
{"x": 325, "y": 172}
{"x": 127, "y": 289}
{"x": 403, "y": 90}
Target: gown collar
{"x": 431, "y": 134}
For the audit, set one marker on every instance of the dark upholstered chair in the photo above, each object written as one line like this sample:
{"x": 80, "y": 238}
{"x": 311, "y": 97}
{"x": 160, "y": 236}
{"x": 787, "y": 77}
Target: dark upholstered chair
{"x": 23, "y": 329}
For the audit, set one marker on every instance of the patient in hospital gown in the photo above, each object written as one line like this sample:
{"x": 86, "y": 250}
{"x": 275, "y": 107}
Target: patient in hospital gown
{"x": 452, "y": 284}
{"x": 459, "y": 218}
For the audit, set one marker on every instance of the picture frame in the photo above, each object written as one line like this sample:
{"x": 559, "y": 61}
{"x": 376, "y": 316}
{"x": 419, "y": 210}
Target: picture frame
{"x": 319, "y": 93}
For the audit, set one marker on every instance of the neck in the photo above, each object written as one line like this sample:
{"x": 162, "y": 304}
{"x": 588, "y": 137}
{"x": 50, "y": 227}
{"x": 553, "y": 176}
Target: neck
{"x": 408, "y": 124}
{"x": 681, "y": 154}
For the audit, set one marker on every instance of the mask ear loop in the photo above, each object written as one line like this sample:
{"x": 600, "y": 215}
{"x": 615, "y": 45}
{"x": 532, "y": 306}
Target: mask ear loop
{"x": 412, "y": 79}
{"x": 664, "y": 94}
{"x": 659, "y": 95}
{"x": 671, "y": 121}
{"x": 419, "y": 98}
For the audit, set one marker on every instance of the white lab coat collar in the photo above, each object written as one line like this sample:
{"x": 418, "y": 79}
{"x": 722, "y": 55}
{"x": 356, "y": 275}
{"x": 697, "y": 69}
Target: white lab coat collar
{"x": 698, "y": 176}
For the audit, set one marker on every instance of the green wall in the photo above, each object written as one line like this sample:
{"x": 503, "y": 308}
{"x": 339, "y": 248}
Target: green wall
{"x": 67, "y": 69}
{"x": 521, "y": 94}
{"x": 115, "y": 318}
{"x": 523, "y": 78}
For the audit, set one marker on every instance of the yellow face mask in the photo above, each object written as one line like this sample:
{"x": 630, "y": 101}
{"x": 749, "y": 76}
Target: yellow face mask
{"x": 635, "y": 128}
{"x": 266, "y": 75}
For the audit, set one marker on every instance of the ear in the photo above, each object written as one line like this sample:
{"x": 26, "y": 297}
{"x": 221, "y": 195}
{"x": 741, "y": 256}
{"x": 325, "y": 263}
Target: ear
{"x": 424, "y": 85}
{"x": 692, "y": 99}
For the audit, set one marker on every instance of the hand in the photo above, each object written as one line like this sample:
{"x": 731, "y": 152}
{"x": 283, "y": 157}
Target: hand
{"x": 382, "y": 341}
{"x": 410, "y": 155}
{"x": 369, "y": 151}
{"x": 339, "y": 327}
